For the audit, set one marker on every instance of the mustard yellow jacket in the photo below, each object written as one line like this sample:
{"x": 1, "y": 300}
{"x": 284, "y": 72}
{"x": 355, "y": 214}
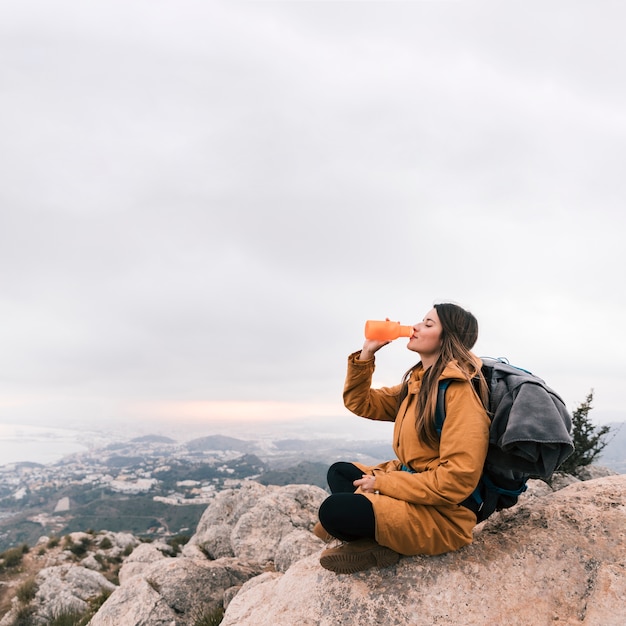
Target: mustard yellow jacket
{"x": 420, "y": 513}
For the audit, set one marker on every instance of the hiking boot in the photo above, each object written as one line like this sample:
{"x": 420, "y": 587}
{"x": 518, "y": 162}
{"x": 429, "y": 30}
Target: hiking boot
{"x": 321, "y": 533}
{"x": 356, "y": 556}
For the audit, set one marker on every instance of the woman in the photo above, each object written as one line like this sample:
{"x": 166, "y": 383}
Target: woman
{"x": 416, "y": 504}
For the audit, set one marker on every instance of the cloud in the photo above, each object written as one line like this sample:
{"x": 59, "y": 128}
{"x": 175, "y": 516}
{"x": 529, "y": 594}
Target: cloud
{"x": 204, "y": 202}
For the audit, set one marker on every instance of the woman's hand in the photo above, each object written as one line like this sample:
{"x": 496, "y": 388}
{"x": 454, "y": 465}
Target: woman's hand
{"x": 366, "y": 483}
{"x": 370, "y": 347}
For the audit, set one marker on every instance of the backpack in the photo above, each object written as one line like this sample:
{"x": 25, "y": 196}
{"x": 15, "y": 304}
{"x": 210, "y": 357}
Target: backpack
{"x": 529, "y": 436}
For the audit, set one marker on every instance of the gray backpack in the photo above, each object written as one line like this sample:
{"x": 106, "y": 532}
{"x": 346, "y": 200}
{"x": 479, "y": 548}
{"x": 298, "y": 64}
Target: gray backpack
{"x": 529, "y": 436}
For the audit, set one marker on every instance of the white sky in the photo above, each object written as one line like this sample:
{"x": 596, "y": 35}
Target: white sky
{"x": 203, "y": 202}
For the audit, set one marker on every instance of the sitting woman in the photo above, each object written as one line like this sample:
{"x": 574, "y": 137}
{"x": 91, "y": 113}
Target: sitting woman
{"x": 417, "y": 503}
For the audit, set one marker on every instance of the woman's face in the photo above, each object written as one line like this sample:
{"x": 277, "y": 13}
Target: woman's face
{"x": 426, "y": 338}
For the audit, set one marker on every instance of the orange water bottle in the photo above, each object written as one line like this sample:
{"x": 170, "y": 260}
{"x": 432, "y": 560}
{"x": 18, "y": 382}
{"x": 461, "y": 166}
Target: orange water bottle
{"x": 386, "y": 331}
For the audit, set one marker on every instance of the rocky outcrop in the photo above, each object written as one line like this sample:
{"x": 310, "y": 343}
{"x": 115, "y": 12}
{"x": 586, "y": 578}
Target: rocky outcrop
{"x": 242, "y": 532}
{"x": 256, "y": 523}
{"x": 555, "y": 558}
{"x": 64, "y": 586}
{"x": 558, "y": 557}
{"x": 173, "y": 591}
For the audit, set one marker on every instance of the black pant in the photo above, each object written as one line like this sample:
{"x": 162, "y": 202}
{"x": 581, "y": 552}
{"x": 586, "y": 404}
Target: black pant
{"x": 344, "y": 514}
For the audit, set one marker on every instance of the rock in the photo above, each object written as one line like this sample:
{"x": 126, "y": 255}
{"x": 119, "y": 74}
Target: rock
{"x": 215, "y": 542}
{"x": 169, "y": 589}
{"x": 142, "y": 556}
{"x": 258, "y": 533}
{"x": 187, "y": 584}
{"x": 91, "y": 562}
{"x": 536, "y": 489}
{"x": 560, "y": 480}
{"x": 79, "y": 537}
{"x": 295, "y": 546}
{"x": 591, "y": 472}
{"x": 229, "y": 505}
{"x": 121, "y": 543}
{"x": 230, "y": 593}
{"x": 557, "y": 558}
{"x": 241, "y": 533}
{"x": 62, "y": 589}
{"x": 135, "y": 604}
{"x": 250, "y": 523}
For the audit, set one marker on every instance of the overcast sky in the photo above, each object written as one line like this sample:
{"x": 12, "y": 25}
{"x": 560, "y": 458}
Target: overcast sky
{"x": 203, "y": 202}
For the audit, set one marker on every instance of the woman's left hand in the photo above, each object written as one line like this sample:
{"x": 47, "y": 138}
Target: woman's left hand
{"x": 366, "y": 483}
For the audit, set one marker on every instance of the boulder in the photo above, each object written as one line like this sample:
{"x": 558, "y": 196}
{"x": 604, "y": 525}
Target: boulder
{"x": 142, "y": 556}
{"x": 591, "y": 472}
{"x": 242, "y": 532}
{"x": 136, "y": 603}
{"x": 258, "y": 532}
{"x": 293, "y": 547}
{"x": 558, "y": 558}
{"x": 172, "y": 590}
{"x": 61, "y": 589}
{"x": 250, "y": 523}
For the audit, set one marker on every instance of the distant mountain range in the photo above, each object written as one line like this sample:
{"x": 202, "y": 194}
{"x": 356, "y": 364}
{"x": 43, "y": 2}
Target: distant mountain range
{"x": 153, "y": 484}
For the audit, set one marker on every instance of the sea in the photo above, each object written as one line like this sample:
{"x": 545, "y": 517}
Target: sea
{"x": 39, "y": 444}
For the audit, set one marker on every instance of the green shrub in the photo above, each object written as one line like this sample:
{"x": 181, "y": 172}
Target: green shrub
{"x": 589, "y": 440}
{"x": 53, "y": 542}
{"x": 26, "y": 591}
{"x": 12, "y": 557}
{"x": 77, "y": 549}
{"x": 105, "y": 544}
{"x": 24, "y": 617}
{"x": 69, "y": 618}
{"x": 208, "y": 617}
{"x": 178, "y": 542}
{"x": 98, "y": 601}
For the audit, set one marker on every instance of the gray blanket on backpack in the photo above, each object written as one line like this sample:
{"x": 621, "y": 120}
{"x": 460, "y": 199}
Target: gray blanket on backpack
{"x": 531, "y": 425}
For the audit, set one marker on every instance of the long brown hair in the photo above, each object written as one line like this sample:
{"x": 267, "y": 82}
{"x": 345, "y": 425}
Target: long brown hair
{"x": 458, "y": 336}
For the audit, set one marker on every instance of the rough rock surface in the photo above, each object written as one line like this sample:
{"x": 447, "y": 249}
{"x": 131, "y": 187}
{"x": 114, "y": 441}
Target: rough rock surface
{"x": 250, "y": 523}
{"x": 62, "y": 589}
{"x": 142, "y": 556}
{"x": 242, "y": 532}
{"x": 62, "y": 584}
{"x": 558, "y": 557}
{"x": 553, "y": 559}
{"x": 172, "y": 591}
{"x": 68, "y": 587}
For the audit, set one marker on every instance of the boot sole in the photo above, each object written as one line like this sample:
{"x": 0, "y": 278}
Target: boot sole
{"x": 352, "y": 562}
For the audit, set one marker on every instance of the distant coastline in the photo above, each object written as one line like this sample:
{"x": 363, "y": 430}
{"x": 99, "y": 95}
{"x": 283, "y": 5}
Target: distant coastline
{"x": 38, "y": 444}
{"x": 47, "y": 444}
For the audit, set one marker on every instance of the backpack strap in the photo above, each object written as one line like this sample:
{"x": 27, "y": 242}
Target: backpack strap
{"x": 486, "y": 492}
{"x": 475, "y": 501}
{"x": 440, "y": 409}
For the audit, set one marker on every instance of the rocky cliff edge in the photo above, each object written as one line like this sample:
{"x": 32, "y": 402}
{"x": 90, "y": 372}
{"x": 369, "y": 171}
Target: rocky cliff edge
{"x": 558, "y": 557}
{"x": 555, "y": 558}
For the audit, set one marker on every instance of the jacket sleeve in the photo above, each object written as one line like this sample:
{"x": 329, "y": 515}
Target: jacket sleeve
{"x": 361, "y": 399}
{"x": 453, "y": 476}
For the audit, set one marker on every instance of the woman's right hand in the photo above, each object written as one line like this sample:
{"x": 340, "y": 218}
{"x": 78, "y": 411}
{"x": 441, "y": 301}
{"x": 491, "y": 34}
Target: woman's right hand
{"x": 370, "y": 347}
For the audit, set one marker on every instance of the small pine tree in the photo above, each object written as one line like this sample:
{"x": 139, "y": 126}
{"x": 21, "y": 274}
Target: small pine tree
{"x": 589, "y": 440}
